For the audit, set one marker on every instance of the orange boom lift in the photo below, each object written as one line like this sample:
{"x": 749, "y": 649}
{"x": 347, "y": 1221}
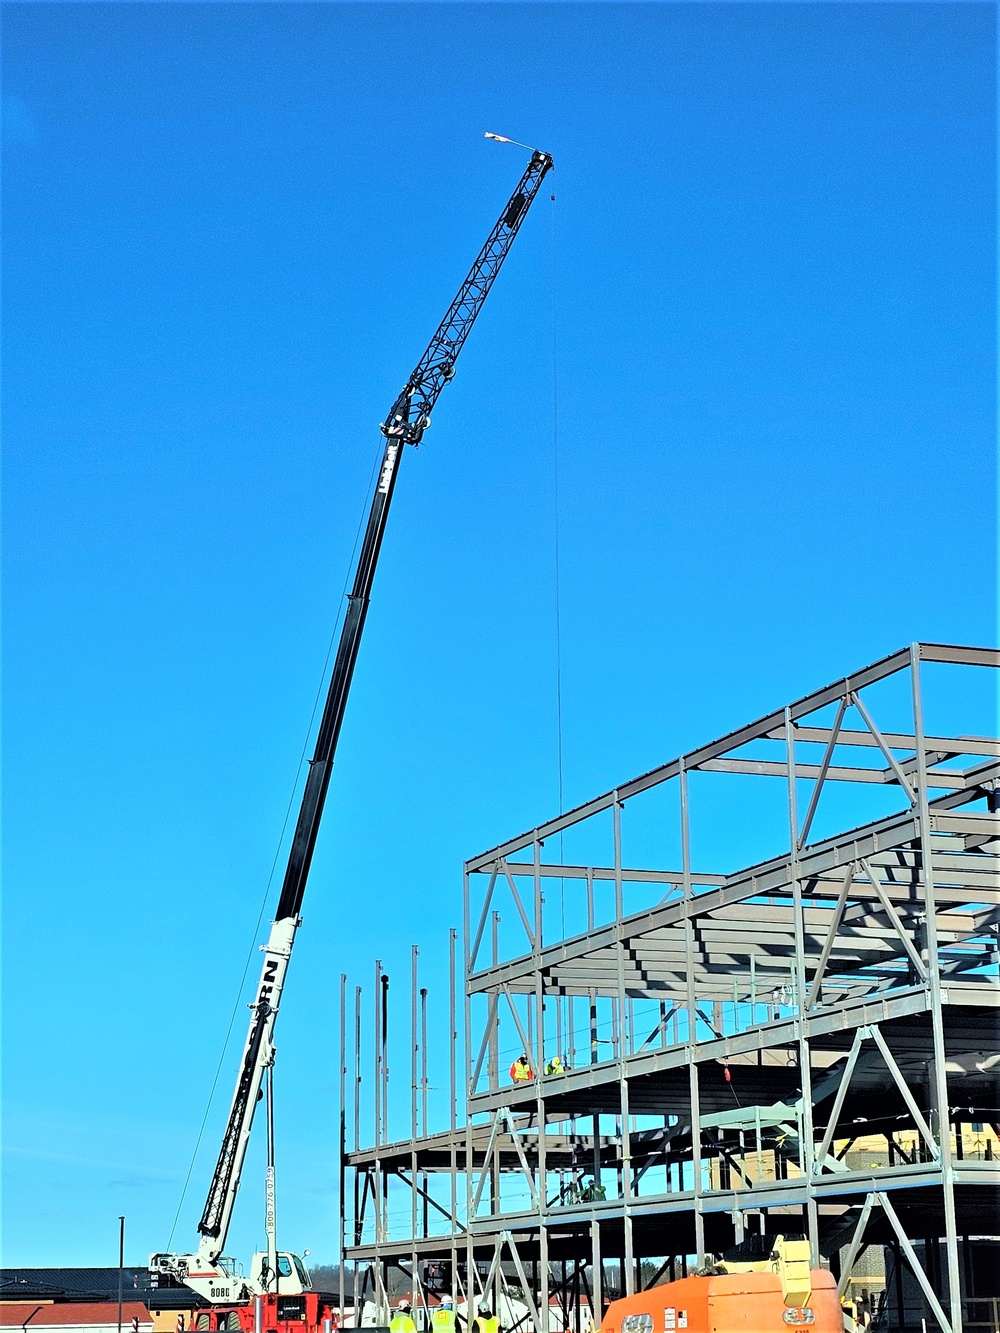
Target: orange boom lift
{"x": 778, "y": 1293}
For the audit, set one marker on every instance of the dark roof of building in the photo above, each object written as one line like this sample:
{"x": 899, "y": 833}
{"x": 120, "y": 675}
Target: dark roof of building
{"x": 92, "y": 1284}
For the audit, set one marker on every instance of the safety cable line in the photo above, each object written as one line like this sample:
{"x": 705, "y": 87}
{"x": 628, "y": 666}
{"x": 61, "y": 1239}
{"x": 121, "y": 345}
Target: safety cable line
{"x": 277, "y": 850}
{"x": 555, "y": 489}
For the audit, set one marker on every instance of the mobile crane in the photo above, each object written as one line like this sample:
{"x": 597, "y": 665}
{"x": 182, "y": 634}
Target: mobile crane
{"x": 205, "y": 1270}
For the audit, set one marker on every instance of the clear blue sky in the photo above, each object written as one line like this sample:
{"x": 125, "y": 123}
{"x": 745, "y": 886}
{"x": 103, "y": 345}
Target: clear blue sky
{"x": 229, "y": 232}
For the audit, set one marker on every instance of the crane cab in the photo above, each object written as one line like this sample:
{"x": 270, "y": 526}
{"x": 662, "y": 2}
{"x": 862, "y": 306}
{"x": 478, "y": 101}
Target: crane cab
{"x": 293, "y": 1276}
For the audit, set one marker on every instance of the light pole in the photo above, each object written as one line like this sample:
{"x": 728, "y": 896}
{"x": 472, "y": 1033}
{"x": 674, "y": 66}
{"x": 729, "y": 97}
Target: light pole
{"x": 121, "y": 1265}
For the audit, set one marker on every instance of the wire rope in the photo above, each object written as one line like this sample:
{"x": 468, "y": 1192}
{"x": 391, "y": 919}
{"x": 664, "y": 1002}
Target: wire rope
{"x": 553, "y": 278}
{"x": 277, "y": 850}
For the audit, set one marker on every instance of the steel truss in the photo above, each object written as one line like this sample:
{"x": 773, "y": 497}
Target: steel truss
{"x": 731, "y": 1041}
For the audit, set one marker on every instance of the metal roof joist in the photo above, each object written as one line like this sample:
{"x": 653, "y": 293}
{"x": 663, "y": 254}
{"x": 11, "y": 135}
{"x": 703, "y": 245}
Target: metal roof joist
{"x": 758, "y": 882}
{"x": 861, "y": 941}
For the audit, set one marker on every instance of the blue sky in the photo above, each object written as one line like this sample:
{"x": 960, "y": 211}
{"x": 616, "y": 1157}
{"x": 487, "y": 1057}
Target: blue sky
{"x": 765, "y": 295}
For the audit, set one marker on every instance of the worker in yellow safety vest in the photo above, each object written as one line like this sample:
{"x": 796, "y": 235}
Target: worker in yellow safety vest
{"x": 486, "y": 1321}
{"x": 444, "y": 1320}
{"x": 520, "y": 1070}
{"x": 402, "y": 1320}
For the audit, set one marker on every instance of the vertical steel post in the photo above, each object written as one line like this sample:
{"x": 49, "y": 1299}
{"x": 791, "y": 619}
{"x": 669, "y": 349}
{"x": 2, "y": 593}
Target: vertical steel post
{"x": 342, "y": 1173}
{"x": 423, "y": 1099}
{"x": 807, "y": 1145}
{"x": 543, "y": 1269}
{"x": 471, "y": 1307}
{"x": 616, "y": 820}
{"x": 414, "y": 1041}
{"x": 414, "y": 1056}
{"x": 692, "y": 1003}
{"x": 494, "y": 1056}
{"x": 453, "y": 1034}
{"x": 622, "y": 1016}
{"x": 384, "y": 1268}
{"x": 385, "y": 1057}
{"x": 594, "y": 1058}
{"x": 453, "y": 1088}
{"x": 471, "y": 1298}
{"x": 539, "y": 1053}
{"x": 494, "y": 1167}
{"x": 424, "y": 1085}
{"x": 597, "y": 1148}
{"x": 452, "y": 1038}
{"x": 542, "y": 1292}
{"x": 466, "y": 987}
{"x": 594, "y": 1054}
{"x": 471, "y": 1295}
{"x": 933, "y": 967}
{"x": 469, "y": 1044}
{"x": 356, "y": 1218}
{"x": 597, "y": 1264}
{"x": 357, "y": 1068}
{"x": 377, "y": 1127}
{"x": 377, "y": 1057}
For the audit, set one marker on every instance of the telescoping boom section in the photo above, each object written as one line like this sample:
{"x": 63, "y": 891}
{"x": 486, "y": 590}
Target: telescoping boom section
{"x": 408, "y": 418}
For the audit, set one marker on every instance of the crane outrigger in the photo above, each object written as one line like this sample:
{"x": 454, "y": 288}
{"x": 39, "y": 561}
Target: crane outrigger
{"x": 205, "y": 1269}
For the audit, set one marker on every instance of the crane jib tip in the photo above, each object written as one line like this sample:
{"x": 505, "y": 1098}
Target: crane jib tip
{"x": 502, "y": 138}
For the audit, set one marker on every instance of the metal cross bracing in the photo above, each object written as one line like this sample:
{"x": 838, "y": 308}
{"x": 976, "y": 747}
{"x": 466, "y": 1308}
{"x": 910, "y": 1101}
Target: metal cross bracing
{"x": 805, "y": 1043}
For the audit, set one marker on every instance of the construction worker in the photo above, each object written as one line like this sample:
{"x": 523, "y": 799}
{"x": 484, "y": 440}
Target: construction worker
{"x": 402, "y": 1320}
{"x": 555, "y": 1066}
{"x": 486, "y": 1321}
{"x": 520, "y": 1070}
{"x": 593, "y": 1191}
{"x": 444, "y": 1320}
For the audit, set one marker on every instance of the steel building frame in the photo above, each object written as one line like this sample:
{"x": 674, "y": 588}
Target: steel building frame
{"x": 759, "y": 1022}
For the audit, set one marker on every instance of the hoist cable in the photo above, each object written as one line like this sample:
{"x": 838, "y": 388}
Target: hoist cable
{"x": 555, "y": 492}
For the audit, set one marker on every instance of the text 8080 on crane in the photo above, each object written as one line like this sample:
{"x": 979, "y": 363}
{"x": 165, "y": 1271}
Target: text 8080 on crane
{"x": 215, "y": 1278}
